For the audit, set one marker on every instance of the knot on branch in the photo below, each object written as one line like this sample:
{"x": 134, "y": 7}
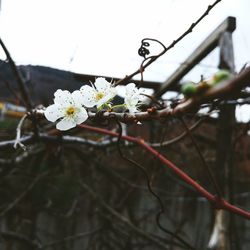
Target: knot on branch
{"x": 151, "y": 110}
{"x": 219, "y": 203}
{"x": 100, "y": 119}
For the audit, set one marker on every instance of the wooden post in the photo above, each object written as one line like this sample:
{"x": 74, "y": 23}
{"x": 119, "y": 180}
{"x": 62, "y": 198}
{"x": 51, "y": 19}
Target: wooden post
{"x": 224, "y": 154}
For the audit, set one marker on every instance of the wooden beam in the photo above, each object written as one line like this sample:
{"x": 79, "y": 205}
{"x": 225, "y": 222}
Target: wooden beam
{"x": 146, "y": 84}
{"x": 225, "y": 142}
{"x": 210, "y": 43}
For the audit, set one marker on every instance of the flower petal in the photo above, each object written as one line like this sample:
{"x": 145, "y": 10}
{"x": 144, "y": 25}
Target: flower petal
{"x": 66, "y": 124}
{"x": 53, "y": 112}
{"x": 132, "y": 109}
{"x": 102, "y": 101}
{"x": 102, "y": 85}
{"x": 88, "y": 94}
{"x": 131, "y": 90}
{"x": 130, "y": 87}
{"x": 112, "y": 92}
{"x": 105, "y": 99}
{"x": 63, "y": 98}
{"x": 81, "y": 116}
{"x": 78, "y": 98}
{"x": 131, "y": 102}
{"x": 132, "y": 97}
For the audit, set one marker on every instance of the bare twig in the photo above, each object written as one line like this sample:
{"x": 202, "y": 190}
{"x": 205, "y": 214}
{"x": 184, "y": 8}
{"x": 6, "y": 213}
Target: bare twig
{"x": 19, "y": 237}
{"x": 10, "y": 143}
{"x": 209, "y": 171}
{"x": 63, "y": 139}
{"x": 69, "y": 238}
{"x": 23, "y": 194}
{"x": 177, "y": 138}
{"x": 21, "y": 84}
{"x": 121, "y": 218}
{"x": 153, "y": 58}
{"x": 156, "y": 196}
{"x": 18, "y": 134}
{"x": 19, "y": 158}
{"x": 18, "y": 77}
{"x": 16, "y": 95}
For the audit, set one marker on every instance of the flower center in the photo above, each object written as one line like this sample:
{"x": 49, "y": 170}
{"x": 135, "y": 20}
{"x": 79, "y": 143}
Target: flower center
{"x": 70, "y": 111}
{"x": 99, "y": 96}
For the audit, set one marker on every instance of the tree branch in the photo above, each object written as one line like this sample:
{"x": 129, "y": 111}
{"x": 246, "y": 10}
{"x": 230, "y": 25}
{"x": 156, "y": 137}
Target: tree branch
{"x": 21, "y": 84}
{"x": 154, "y": 58}
{"x": 19, "y": 237}
{"x": 22, "y": 195}
{"x": 216, "y": 201}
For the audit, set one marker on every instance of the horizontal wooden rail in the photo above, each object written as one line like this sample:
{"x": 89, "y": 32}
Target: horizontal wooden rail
{"x": 146, "y": 84}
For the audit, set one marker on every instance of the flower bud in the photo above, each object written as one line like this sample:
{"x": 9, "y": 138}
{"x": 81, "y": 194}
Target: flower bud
{"x": 220, "y": 76}
{"x": 188, "y": 89}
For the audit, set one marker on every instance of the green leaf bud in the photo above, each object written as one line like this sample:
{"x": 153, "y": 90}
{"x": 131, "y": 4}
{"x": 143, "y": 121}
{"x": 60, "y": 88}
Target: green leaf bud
{"x": 220, "y": 76}
{"x": 188, "y": 89}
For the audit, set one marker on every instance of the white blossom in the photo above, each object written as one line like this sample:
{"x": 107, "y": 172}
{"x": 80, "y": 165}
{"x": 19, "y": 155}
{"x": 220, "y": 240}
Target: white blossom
{"x": 132, "y": 98}
{"x": 68, "y": 108}
{"x": 100, "y": 93}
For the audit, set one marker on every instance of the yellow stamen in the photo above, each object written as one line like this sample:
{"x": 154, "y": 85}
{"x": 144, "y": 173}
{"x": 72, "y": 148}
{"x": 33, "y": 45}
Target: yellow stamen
{"x": 99, "y": 96}
{"x": 70, "y": 111}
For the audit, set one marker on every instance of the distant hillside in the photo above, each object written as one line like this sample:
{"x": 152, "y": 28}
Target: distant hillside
{"x": 41, "y": 82}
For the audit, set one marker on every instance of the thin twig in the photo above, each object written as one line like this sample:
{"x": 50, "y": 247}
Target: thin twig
{"x": 162, "y": 210}
{"x": 209, "y": 171}
{"x": 22, "y": 195}
{"x": 19, "y": 237}
{"x": 69, "y": 238}
{"x": 152, "y": 59}
{"x": 16, "y": 95}
{"x": 177, "y": 138}
{"x": 10, "y": 143}
{"x": 120, "y": 217}
{"x": 25, "y": 95}
{"x": 19, "y": 158}
{"x": 56, "y": 139}
{"x": 18, "y": 134}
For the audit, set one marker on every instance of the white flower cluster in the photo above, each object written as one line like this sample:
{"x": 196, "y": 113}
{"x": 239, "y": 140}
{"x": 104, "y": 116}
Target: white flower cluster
{"x": 70, "y": 108}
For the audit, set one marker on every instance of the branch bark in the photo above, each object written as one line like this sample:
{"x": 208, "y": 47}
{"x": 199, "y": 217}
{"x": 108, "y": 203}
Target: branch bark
{"x": 217, "y": 202}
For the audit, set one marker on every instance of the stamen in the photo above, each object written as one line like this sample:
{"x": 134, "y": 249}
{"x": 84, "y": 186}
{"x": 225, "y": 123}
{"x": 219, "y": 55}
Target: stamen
{"x": 70, "y": 111}
{"x": 99, "y": 96}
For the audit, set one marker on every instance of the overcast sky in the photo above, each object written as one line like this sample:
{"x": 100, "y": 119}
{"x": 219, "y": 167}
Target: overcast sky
{"x": 101, "y": 37}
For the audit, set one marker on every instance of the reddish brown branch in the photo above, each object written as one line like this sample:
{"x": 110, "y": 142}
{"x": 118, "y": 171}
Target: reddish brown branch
{"x": 218, "y": 203}
{"x": 223, "y": 91}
